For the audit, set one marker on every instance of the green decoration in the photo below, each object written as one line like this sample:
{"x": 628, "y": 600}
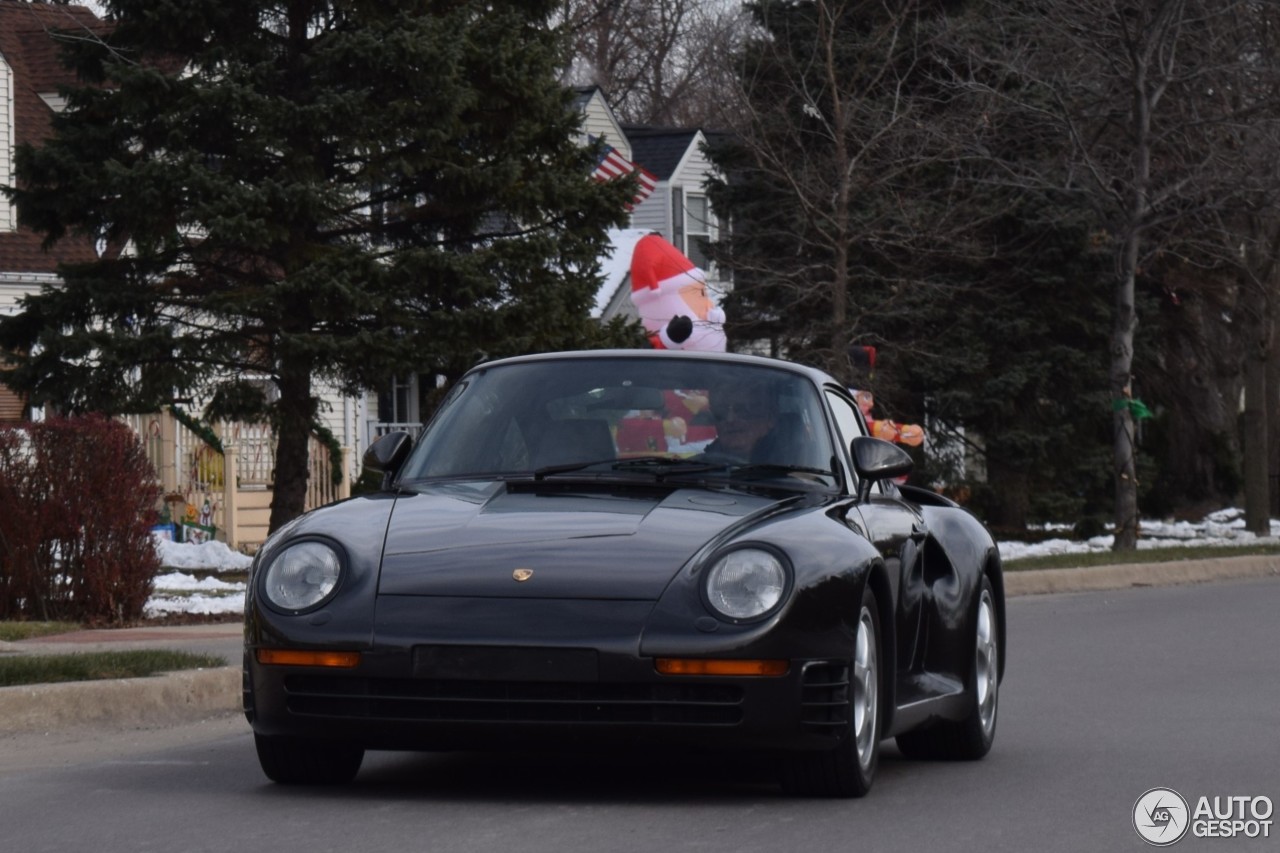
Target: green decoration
{"x": 200, "y": 428}
{"x": 1137, "y": 409}
{"x": 330, "y": 442}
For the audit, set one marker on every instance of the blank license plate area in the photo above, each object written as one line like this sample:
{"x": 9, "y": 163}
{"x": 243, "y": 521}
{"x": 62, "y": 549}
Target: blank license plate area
{"x": 490, "y": 663}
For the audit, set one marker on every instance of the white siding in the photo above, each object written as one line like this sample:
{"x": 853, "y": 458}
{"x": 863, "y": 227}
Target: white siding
{"x": 11, "y": 405}
{"x": 9, "y": 295}
{"x": 7, "y": 219}
{"x": 694, "y": 168}
{"x": 598, "y": 120}
{"x": 331, "y": 411}
{"x": 692, "y": 175}
{"x": 14, "y": 286}
{"x": 654, "y": 213}
{"x": 339, "y": 414}
{"x": 54, "y": 101}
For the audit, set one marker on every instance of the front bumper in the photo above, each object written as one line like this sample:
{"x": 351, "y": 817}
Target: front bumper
{"x": 471, "y": 673}
{"x": 383, "y": 704}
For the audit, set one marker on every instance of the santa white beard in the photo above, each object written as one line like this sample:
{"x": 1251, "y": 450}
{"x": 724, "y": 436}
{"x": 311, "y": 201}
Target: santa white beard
{"x": 707, "y": 336}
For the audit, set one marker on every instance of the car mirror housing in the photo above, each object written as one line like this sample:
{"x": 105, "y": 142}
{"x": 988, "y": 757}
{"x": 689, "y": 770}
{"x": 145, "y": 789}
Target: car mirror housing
{"x": 876, "y": 459}
{"x": 387, "y": 454}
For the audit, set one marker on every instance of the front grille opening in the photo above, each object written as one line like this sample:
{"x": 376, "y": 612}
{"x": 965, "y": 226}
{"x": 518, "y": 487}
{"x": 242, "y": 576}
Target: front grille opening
{"x": 824, "y": 697}
{"x": 394, "y": 699}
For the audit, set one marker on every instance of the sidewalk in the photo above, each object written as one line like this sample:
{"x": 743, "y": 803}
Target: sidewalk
{"x": 197, "y": 694}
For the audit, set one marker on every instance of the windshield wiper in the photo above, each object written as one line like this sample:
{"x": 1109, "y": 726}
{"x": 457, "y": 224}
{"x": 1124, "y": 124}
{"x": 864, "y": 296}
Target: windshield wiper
{"x": 659, "y": 466}
{"x": 771, "y": 469}
{"x": 666, "y": 464}
{"x": 568, "y": 467}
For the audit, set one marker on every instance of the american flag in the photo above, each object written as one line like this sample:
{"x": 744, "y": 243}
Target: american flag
{"x": 614, "y": 165}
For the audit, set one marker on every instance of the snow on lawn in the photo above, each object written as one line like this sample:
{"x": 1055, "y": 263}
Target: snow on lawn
{"x": 179, "y": 592}
{"x": 1222, "y": 528}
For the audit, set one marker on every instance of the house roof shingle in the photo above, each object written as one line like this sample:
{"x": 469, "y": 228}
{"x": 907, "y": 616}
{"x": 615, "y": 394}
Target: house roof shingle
{"x": 28, "y": 47}
{"x": 659, "y": 149}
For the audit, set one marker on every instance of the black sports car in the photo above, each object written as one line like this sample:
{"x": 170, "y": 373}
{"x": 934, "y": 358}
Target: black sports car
{"x": 651, "y": 548}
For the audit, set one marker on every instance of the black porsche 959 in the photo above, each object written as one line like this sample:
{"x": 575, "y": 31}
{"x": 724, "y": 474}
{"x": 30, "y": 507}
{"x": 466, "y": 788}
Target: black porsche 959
{"x": 619, "y": 548}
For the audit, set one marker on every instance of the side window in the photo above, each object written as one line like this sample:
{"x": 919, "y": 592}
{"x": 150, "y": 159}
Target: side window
{"x": 849, "y": 427}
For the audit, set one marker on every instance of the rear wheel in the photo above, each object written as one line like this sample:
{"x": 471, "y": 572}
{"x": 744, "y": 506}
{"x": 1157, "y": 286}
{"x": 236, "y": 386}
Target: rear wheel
{"x": 971, "y": 738}
{"x": 848, "y": 770}
{"x": 297, "y": 761}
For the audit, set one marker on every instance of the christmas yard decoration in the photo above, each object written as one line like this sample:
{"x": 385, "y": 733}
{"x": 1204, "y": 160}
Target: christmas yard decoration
{"x": 671, "y": 296}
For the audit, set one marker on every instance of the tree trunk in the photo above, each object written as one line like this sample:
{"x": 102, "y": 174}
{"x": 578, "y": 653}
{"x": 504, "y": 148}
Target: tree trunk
{"x": 1259, "y": 361}
{"x": 1124, "y": 445}
{"x": 1254, "y": 426}
{"x": 293, "y": 434}
{"x": 1256, "y": 470}
{"x": 1272, "y": 401}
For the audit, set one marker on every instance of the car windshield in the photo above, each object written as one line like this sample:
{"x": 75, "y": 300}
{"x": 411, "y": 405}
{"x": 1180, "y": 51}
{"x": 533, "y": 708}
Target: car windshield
{"x": 627, "y": 418}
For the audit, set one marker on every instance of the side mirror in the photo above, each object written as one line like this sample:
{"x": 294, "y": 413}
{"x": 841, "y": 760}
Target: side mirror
{"x": 876, "y": 459}
{"x": 387, "y": 454}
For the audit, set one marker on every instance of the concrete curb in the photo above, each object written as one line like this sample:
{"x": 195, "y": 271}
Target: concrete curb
{"x": 160, "y": 700}
{"x": 1044, "y": 581}
{"x": 191, "y": 695}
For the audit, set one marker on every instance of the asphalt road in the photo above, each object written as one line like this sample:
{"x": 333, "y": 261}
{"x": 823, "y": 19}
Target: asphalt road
{"x": 1107, "y": 695}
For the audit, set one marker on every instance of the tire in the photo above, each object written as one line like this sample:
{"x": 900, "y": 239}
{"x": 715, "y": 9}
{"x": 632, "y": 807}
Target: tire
{"x": 971, "y": 738}
{"x": 849, "y": 769}
{"x": 295, "y": 761}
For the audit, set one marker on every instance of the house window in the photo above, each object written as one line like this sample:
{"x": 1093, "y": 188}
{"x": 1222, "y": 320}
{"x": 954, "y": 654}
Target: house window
{"x": 697, "y": 230}
{"x": 677, "y": 218}
{"x": 399, "y": 405}
{"x": 13, "y": 407}
{"x": 691, "y": 227}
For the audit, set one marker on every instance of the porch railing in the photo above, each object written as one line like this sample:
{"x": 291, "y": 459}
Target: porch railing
{"x": 381, "y": 428}
{"x": 229, "y": 491}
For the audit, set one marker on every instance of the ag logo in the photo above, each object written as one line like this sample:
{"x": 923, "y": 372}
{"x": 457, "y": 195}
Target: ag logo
{"x": 1161, "y": 817}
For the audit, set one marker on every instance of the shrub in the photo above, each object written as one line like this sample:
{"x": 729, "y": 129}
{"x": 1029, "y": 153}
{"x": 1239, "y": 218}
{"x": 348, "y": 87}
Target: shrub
{"x": 77, "y": 501}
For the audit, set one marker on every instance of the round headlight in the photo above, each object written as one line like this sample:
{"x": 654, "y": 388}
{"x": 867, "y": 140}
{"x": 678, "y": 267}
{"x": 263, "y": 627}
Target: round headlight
{"x": 302, "y": 575}
{"x": 746, "y": 583}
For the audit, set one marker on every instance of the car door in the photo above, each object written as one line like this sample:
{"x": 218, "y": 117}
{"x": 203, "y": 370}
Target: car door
{"x": 898, "y": 531}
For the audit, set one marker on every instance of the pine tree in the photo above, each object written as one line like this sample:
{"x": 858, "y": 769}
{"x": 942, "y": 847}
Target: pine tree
{"x": 307, "y": 190}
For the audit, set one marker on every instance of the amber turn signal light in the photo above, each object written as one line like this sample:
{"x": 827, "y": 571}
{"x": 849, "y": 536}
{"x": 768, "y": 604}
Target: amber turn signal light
{"x": 298, "y": 657}
{"x": 700, "y": 666}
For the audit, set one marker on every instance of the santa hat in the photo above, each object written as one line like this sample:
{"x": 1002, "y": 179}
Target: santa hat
{"x": 658, "y": 267}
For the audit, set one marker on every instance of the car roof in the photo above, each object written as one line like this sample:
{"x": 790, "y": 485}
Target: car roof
{"x": 815, "y": 375}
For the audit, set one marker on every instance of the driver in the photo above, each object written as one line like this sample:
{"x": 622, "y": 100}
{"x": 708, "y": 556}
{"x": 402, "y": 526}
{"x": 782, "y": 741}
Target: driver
{"x": 743, "y": 415}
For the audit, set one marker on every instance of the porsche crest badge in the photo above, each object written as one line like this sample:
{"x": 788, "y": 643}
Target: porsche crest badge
{"x": 522, "y": 575}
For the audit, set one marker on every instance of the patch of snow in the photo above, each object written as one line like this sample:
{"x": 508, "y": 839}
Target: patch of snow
{"x": 1223, "y": 528}
{"x": 207, "y": 555}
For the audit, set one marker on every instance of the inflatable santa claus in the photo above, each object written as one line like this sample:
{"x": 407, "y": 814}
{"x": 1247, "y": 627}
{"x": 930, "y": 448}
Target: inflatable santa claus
{"x": 671, "y": 296}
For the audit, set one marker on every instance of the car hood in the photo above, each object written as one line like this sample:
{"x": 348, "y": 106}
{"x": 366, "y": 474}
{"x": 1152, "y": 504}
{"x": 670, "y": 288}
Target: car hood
{"x": 468, "y": 539}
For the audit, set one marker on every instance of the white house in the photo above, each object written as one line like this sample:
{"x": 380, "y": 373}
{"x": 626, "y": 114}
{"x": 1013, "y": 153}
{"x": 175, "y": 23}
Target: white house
{"x": 677, "y": 208}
